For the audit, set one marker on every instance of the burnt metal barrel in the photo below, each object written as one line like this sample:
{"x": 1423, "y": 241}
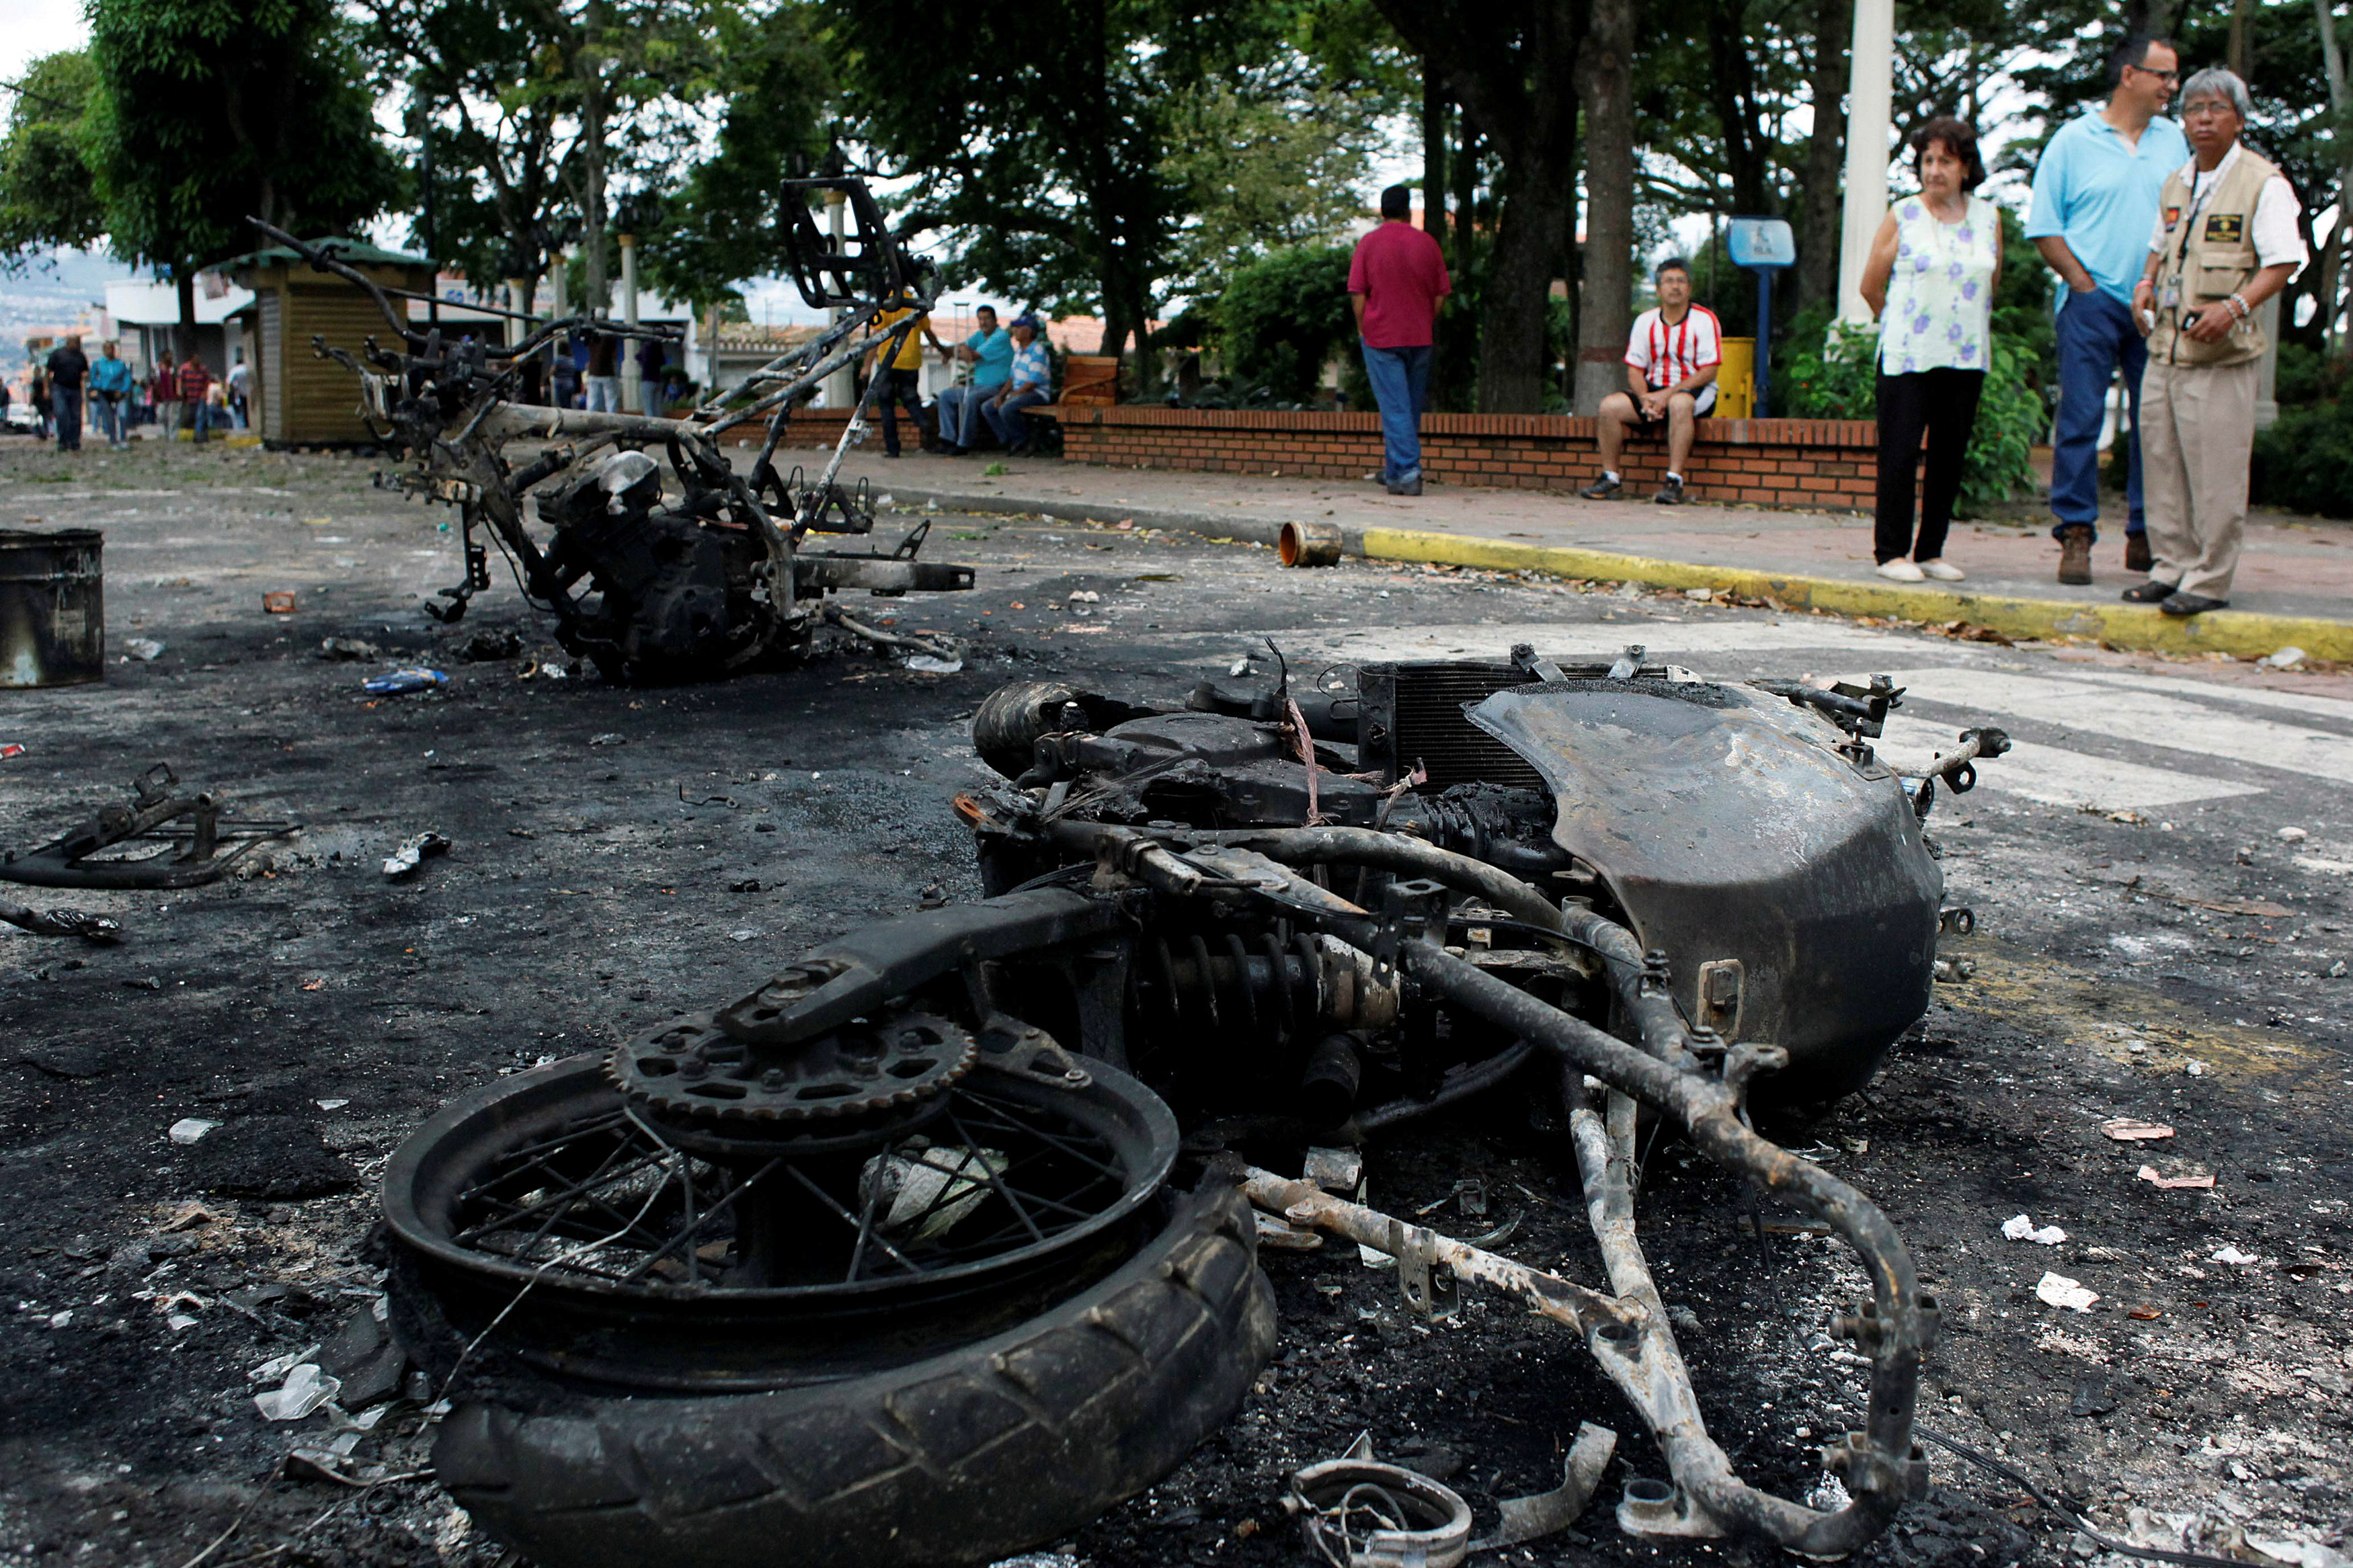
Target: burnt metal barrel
{"x": 52, "y": 606}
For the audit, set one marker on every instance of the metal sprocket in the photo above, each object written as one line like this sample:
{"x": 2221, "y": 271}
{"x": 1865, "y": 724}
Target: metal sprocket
{"x": 691, "y": 1070}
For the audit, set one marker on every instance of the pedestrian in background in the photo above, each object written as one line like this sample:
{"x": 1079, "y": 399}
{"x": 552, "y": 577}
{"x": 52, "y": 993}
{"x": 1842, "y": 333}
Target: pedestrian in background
{"x": 1397, "y": 284}
{"x": 902, "y": 378}
{"x": 36, "y": 393}
{"x": 68, "y": 370}
{"x": 2225, "y": 240}
{"x": 1930, "y": 279}
{"x": 1672, "y": 355}
{"x": 195, "y": 382}
{"x": 109, "y": 394}
{"x": 1029, "y": 381}
{"x": 989, "y": 351}
{"x": 604, "y": 374}
{"x": 2094, "y": 197}
{"x": 164, "y": 389}
{"x": 240, "y": 392}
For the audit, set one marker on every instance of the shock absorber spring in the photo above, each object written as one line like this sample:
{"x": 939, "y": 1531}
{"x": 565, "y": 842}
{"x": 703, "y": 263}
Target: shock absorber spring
{"x": 1263, "y": 987}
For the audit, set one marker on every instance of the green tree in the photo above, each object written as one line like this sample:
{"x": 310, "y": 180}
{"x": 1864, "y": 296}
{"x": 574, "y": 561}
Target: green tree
{"x": 1038, "y": 139}
{"x": 1506, "y": 66}
{"x": 212, "y": 110}
{"x": 728, "y": 219}
{"x": 46, "y": 200}
{"x": 1264, "y": 166}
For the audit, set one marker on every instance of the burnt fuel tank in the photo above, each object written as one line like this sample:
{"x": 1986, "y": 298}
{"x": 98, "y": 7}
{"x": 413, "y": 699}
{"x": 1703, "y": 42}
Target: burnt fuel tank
{"x": 1786, "y": 880}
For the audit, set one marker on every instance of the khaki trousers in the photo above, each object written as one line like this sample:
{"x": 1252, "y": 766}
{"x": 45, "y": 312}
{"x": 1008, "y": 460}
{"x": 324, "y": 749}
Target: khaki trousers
{"x": 2197, "y": 428}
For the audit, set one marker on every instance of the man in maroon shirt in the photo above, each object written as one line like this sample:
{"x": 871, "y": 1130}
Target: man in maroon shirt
{"x": 1396, "y": 280}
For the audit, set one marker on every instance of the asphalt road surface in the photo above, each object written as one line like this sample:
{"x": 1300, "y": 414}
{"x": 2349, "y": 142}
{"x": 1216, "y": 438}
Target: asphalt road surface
{"x": 2159, "y": 872}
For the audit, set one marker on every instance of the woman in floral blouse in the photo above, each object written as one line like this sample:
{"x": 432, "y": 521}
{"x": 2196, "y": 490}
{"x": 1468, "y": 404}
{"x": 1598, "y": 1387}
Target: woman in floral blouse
{"x": 1930, "y": 279}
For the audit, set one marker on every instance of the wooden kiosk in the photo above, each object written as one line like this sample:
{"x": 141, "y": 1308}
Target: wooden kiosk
{"x": 299, "y": 399}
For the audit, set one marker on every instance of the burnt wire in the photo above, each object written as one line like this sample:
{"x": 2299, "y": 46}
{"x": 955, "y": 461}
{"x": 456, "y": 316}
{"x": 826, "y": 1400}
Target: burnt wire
{"x": 2066, "y": 1511}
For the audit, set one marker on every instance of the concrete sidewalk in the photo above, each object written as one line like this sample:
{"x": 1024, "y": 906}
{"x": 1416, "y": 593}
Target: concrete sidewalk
{"x": 2295, "y": 583}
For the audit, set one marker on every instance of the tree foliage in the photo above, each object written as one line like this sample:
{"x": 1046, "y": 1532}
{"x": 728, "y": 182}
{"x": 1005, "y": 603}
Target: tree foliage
{"x": 1284, "y": 317}
{"x": 47, "y": 198}
{"x": 215, "y": 110}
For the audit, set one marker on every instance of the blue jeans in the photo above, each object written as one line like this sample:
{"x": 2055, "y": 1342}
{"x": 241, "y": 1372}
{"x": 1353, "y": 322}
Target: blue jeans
{"x": 2095, "y": 334}
{"x": 1400, "y": 379}
{"x": 959, "y": 413}
{"x": 1005, "y": 418}
{"x": 66, "y": 401}
{"x": 107, "y": 414}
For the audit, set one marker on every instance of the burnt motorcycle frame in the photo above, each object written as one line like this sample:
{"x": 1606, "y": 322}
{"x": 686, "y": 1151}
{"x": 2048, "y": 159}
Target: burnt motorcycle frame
{"x": 1239, "y": 968}
{"x": 450, "y": 405}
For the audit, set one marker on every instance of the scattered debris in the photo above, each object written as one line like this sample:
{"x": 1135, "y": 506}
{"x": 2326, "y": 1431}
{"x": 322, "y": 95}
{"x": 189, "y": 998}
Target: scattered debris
{"x": 1337, "y": 1171}
{"x": 2125, "y": 1129}
{"x": 206, "y": 842}
{"x": 2231, "y": 1255}
{"x": 306, "y": 1389}
{"x": 2194, "y": 1069}
{"x": 11, "y": 748}
{"x": 609, "y": 739}
{"x": 348, "y": 648}
{"x": 1357, "y": 1510}
{"x": 487, "y": 647}
{"x": 2287, "y": 657}
{"x": 2061, "y": 1291}
{"x": 146, "y": 650}
{"x": 392, "y": 682}
{"x": 1548, "y": 1513}
{"x": 2291, "y": 835}
{"x": 277, "y": 602}
{"x": 412, "y": 852}
{"x": 928, "y": 665}
{"x": 2149, "y": 1174}
{"x": 2093, "y": 1396}
{"x": 191, "y": 1129}
{"x": 99, "y": 931}
{"x": 2018, "y": 1228}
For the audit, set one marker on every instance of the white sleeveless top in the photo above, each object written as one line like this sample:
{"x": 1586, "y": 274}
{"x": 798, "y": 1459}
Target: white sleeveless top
{"x": 1939, "y": 311}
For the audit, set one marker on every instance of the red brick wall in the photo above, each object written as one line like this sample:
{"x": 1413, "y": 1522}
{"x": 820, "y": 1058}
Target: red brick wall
{"x": 1771, "y": 462}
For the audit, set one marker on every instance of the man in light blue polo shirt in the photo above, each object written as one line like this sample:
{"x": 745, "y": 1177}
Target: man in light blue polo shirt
{"x": 2095, "y": 194}
{"x": 989, "y": 351}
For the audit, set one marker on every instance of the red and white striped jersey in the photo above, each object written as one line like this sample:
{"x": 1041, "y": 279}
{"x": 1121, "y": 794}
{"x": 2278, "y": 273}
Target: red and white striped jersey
{"x": 1667, "y": 355}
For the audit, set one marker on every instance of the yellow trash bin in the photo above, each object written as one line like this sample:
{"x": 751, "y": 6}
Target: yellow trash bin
{"x": 1736, "y": 380}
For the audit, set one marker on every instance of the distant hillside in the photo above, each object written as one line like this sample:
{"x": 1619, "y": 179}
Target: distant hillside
{"x": 56, "y": 289}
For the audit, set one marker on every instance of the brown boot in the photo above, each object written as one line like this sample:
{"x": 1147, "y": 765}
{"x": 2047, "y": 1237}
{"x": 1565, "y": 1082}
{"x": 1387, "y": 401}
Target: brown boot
{"x": 2076, "y": 554}
{"x": 2137, "y": 556}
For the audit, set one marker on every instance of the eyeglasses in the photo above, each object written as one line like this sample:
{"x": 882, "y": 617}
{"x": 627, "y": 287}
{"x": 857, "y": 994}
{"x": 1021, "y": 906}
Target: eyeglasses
{"x": 2202, "y": 107}
{"x": 2172, "y": 75}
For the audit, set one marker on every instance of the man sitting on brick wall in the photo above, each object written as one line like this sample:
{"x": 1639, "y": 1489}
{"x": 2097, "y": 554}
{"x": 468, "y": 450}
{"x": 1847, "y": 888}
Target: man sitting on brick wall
{"x": 1671, "y": 358}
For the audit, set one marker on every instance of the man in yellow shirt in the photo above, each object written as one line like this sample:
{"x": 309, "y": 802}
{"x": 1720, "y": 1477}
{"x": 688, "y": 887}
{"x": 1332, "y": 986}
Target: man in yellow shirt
{"x": 904, "y": 375}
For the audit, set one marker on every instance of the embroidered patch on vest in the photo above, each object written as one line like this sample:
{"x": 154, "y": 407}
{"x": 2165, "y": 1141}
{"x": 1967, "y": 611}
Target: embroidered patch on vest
{"x": 2226, "y": 228}
{"x": 2172, "y": 216}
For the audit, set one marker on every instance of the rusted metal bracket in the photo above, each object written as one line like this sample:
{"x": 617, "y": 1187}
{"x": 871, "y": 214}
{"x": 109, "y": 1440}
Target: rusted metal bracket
{"x": 207, "y": 843}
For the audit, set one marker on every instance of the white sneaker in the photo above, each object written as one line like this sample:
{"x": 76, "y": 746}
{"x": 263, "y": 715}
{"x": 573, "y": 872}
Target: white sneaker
{"x": 1941, "y": 572}
{"x": 1901, "y": 570}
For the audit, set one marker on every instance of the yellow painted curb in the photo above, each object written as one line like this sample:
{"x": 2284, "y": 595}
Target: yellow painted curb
{"x": 2240, "y": 632}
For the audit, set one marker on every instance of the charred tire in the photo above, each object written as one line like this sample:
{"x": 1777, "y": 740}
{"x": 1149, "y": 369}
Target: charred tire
{"x": 960, "y": 1457}
{"x": 1004, "y": 729}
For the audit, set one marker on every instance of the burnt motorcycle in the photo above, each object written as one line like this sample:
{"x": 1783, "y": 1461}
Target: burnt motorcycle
{"x": 653, "y": 570}
{"x": 943, "y": 1240}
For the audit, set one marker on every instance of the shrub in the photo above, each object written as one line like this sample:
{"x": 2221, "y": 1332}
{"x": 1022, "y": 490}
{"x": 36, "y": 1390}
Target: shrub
{"x": 2302, "y": 460}
{"x": 1286, "y": 316}
{"x": 1834, "y": 373}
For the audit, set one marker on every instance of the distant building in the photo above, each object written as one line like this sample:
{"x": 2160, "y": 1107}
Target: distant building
{"x": 144, "y": 319}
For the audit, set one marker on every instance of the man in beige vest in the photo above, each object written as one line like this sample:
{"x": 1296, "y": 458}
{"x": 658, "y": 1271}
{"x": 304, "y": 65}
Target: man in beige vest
{"x": 2225, "y": 241}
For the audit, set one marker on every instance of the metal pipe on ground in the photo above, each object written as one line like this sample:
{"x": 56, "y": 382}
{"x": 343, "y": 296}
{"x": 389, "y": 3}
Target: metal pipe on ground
{"x": 1308, "y": 544}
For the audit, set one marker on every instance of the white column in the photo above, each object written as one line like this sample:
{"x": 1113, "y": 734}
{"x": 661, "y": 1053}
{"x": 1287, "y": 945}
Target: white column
{"x": 1870, "y": 84}
{"x": 558, "y": 306}
{"x": 841, "y": 387}
{"x": 519, "y": 302}
{"x": 633, "y": 398}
